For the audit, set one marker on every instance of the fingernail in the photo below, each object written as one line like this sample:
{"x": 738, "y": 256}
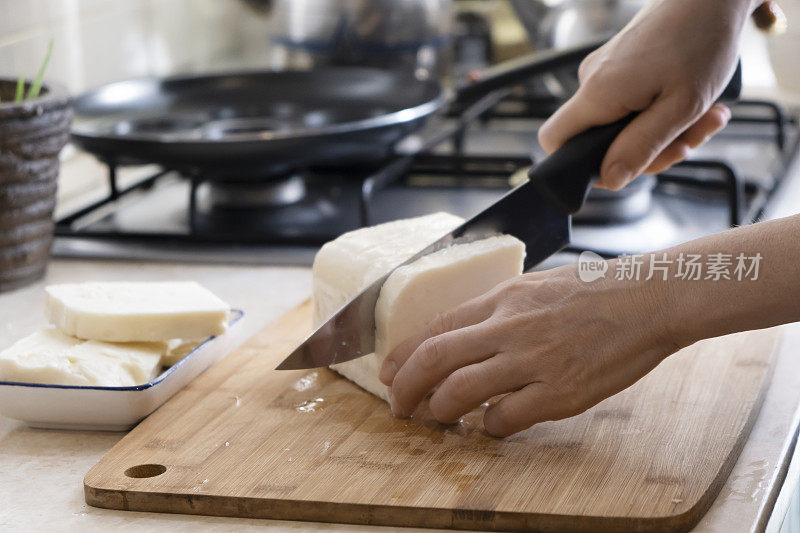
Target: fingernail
{"x": 393, "y": 403}
{"x": 388, "y": 371}
{"x": 395, "y": 407}
{"x": 617, "y": 176}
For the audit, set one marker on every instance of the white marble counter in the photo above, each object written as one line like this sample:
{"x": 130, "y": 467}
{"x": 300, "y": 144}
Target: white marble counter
{"x": 41, "y": 471}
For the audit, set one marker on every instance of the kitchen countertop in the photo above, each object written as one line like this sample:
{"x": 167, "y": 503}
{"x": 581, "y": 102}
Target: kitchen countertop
{"x": 41, "y": 486}
{"x": 41, "y": 471}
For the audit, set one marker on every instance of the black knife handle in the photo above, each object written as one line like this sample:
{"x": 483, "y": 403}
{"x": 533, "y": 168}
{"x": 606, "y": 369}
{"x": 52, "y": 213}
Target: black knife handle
{"x": 566, "y": 175}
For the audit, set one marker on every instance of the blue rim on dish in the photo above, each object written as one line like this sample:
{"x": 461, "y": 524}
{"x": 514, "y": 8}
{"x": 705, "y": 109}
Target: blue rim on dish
{"x": 238, "y": 314}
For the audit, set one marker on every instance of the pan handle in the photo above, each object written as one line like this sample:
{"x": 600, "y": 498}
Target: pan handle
{"x": 566, "y": 175}
{"x": 515, "y": 71}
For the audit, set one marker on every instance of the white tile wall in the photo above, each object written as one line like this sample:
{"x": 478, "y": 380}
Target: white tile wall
{"x": 98, "y": 41}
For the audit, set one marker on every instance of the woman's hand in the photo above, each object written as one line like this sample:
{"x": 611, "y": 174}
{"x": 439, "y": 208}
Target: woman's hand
{"x": 556, "y": 344}
{"x": 671, "y": 62}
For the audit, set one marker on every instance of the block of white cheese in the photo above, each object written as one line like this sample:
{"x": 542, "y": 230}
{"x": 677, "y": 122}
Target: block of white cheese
{"x": 344, "y": 266}
{"x": 51, "y": 357}
{"x": 136, "y": 311}
{"x": 416, "y": 293}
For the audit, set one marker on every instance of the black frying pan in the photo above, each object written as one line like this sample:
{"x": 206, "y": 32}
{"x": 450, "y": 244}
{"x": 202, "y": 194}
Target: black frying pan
{"x": 262, "y": 123}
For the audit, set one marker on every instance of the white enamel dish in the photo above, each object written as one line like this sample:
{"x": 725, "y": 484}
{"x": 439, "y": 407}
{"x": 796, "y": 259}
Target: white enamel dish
{"x": 108, "y": 408}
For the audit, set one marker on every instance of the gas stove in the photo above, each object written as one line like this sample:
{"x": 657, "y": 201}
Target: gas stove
{"x": 468, "y": 162}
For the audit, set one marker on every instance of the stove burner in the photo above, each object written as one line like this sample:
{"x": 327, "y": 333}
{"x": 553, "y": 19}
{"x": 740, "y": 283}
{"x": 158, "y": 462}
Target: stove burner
{"x": 288, "y": 211}
{"x": 253, "y": 194}
{"x": 626, "y": 205}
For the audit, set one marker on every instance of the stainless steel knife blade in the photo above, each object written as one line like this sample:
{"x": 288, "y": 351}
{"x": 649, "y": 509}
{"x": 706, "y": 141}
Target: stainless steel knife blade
{"x": 523, "y": 212}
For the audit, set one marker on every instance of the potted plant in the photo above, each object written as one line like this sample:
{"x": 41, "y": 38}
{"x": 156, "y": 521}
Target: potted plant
{"x": 35, "y": 121}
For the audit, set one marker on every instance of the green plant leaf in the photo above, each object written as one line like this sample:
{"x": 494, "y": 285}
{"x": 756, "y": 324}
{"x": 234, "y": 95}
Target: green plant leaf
{"x": 20, "y": 92}
{"x": 36, "y": 86}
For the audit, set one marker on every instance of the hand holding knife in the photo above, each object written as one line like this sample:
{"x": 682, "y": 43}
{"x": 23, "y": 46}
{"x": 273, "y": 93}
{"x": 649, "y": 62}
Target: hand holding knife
{"x": 537, "y": 212}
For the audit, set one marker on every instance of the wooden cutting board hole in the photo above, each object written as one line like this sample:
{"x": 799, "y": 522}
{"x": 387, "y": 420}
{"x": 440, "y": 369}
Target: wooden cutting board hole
{"x": 140, "y": 471}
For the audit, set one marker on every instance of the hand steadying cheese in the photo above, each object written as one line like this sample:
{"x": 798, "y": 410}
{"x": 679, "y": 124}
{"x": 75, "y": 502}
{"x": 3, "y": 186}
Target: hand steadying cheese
{"x": 550, "y": 346}
{"x": 413, "y": 294}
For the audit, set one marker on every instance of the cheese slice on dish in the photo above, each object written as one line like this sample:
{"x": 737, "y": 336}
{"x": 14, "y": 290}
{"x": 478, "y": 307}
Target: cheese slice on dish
{"x": 51, "y": 357}
{"x": 177, "y": 349}
{"x": 414, "y": 294}
{"x": 136, "y": 311}
{"x": 118, "y": 364}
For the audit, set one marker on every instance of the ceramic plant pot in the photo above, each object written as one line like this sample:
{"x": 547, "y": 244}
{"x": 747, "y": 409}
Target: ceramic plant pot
{"x": 32, "y": 134}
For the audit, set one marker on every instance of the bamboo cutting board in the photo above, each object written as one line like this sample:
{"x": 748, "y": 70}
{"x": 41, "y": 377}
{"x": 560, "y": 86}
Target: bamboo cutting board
{"x": 245, "y": 440}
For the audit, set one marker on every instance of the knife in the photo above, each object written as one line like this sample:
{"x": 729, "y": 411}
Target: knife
{"x": 537, "y": 212}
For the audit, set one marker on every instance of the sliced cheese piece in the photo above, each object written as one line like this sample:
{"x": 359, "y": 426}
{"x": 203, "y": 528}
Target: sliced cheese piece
{"x": 118, "y": 364}
{"x": 177, "y": 349}
{"x": 51, "y": 357}
{"x": 39, "y": 358}
{"x": 344, "y": 266}
{"x": 414, "y": 294}
{"x": 136, "y": 311}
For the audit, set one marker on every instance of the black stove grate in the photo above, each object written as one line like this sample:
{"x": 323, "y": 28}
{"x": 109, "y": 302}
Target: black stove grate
{"x": 443, "y": 163}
